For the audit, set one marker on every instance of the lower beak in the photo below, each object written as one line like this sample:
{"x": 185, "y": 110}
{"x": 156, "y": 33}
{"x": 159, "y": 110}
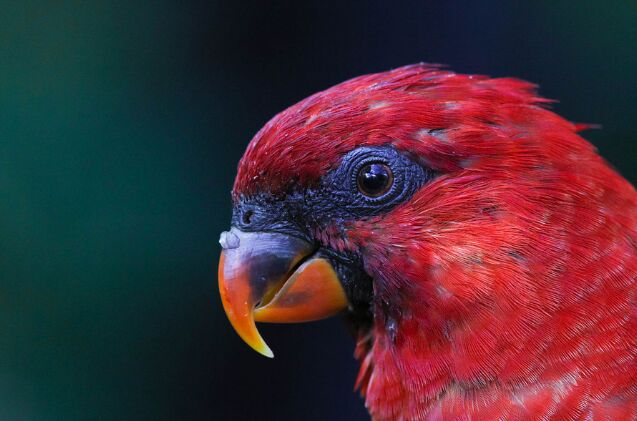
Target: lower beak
{"x": 272, "y": 277}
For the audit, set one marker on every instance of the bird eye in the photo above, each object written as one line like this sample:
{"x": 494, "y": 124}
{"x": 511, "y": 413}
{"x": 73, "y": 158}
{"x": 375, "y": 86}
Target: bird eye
{"x": 374, "y": 180}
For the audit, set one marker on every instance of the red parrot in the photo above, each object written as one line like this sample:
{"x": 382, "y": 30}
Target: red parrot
{"x": 482, "y": 251}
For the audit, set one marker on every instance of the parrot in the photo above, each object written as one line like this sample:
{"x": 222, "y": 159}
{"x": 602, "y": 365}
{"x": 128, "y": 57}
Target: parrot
{"x": 482, "y": 252}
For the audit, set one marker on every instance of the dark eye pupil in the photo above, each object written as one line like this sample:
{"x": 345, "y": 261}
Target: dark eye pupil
{"x": 374, "y": 179}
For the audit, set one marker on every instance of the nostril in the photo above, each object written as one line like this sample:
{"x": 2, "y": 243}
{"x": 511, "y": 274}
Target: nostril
{"x": 247, "y": 217}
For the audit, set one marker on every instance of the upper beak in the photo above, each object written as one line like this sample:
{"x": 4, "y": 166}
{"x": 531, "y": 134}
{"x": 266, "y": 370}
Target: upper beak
{"x": 272, "y": 277}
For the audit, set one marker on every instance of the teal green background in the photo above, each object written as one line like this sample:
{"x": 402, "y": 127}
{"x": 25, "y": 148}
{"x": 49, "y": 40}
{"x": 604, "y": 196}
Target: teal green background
{"x": 121, "y": 124}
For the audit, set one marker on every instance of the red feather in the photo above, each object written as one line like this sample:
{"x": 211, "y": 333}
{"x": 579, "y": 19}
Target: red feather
{"x": 506, "y": 287}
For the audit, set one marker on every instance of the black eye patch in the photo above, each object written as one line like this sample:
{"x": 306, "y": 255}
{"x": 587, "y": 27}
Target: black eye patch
{"x": 369, "y": 181}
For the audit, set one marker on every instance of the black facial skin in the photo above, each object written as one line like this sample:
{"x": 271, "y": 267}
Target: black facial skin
{"x": 335, "y": 199}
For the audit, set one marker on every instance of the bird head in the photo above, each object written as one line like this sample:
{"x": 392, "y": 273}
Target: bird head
{"x": 430, "y": 208}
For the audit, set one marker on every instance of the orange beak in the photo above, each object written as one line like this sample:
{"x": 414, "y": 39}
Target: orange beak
{"x": 277, "y": 278}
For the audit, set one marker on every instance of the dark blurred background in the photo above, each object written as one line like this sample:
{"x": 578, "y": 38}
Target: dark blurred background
{"x": 121, "y": 124}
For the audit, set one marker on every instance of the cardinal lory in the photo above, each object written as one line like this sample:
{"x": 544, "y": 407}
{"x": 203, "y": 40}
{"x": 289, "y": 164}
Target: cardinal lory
{"x": 483, "y": 252}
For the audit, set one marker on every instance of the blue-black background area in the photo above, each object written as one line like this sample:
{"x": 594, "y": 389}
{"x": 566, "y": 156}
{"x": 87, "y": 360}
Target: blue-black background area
{"x": 121, "y": 124}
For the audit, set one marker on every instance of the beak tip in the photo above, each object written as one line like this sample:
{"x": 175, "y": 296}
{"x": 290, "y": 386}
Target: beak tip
{"x": 267, "y": 353}
{"x": 262, "y": 348}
